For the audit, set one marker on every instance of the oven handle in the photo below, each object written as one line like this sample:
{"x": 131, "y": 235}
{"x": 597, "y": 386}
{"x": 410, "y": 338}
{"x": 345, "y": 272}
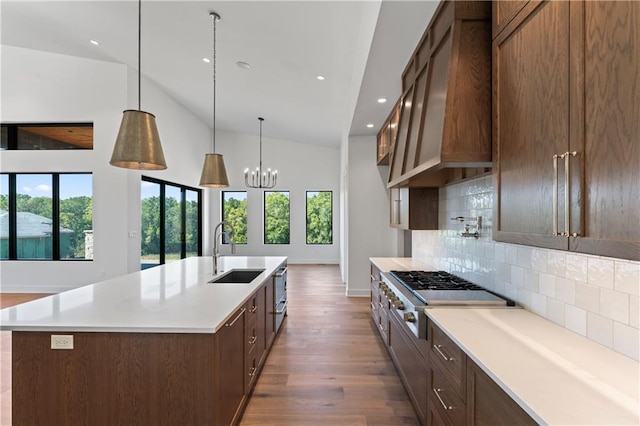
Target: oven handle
{"x": 280, "y": 272}
{"x": 284, "y": 308}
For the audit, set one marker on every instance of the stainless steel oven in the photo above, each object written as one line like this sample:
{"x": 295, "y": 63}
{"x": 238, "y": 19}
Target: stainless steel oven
{"x": 280, "y": 299}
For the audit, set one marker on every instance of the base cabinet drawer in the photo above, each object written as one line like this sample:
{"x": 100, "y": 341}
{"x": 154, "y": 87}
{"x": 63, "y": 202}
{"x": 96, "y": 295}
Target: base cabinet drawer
{"x": 445, "y": 399}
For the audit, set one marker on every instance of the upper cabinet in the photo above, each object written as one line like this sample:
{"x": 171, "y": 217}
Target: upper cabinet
{"x": 387, "y": 136}
{"x": 445, "y": 108}
{"x": 566, "y": 129}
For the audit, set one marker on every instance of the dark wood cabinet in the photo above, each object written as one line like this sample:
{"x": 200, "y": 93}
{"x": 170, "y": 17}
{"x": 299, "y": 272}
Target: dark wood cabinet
{"x": 387, "y": 136}
{"x": 411, "y": 365}
{"x": 413, "y": 208}
{"x": 445, "y": 113}
{"x": 230, "y": 368}
{"x": 566, "y": 133}
{"x": 488, "y": 404}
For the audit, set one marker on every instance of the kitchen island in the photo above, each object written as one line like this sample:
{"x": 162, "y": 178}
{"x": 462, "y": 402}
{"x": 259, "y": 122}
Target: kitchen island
{"x": 159, "y": 346}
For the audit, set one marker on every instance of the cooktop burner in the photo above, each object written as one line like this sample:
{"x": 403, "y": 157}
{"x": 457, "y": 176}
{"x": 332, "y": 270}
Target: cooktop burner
{"x": 433, "y": 280}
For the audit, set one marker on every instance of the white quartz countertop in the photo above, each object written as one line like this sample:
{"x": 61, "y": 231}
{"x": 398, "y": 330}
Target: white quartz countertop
{"x": 555, "y": 375}
{"x": 386, "y": 264}
{"x": 171, "y": 298}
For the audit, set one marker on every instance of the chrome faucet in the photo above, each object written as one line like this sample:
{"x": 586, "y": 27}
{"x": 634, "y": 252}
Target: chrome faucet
{"x": 229, "y": 235}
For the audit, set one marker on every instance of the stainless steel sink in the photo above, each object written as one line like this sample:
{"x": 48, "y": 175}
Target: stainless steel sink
{"x": 237, "y": 276}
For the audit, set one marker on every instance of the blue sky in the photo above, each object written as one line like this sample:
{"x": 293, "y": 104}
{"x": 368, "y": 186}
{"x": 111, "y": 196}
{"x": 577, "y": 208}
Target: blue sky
{"x": 39, "y": 185}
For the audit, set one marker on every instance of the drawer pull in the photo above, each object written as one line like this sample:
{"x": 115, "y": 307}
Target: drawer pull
{"x": 253, "y": 309}
{"x": 230, "y": 324}
{"x": 373, "y": 306}
{"x": 442, "y": 354}
{"x": 445, "y": 406}
{"x": 253, "y": 340}
{"x": 381, "y": 305}
{"x": 252, "y": 371}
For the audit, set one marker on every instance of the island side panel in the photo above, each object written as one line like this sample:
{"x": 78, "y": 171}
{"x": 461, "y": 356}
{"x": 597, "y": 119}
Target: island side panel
{"x": 113, "y": 378}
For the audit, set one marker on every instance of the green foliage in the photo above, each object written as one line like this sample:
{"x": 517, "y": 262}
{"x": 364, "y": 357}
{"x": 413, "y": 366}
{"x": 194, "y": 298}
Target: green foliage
{"x": 4, "y": 203}
{"x": 319, "y": 218}
{"x": 76, "y": 213}
{"x": 150, "y": 227}
{"x": 276, "y": 218}
{"x": 234, "y": 211}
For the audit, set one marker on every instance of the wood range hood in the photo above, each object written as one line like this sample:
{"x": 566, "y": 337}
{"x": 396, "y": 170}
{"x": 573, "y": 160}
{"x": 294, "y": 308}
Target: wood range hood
{"x": 440, "y": 129}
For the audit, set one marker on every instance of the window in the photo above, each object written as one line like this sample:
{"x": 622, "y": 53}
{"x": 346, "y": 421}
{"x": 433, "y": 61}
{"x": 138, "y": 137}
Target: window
{"x": 47, "y": 136}
{"x": 234, "y": 211}
{"x": 171, "y": 222}
{"x": 46, "y": 216}
{"x": 276, "y": 217}
{"x": 319, "y": 217}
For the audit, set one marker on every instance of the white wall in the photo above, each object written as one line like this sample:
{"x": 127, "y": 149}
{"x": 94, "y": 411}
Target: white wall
{"x": 368, "y": 214}
{"x": 597, "y": 297}
{"x": 45, "y": 87}
{"x": 301, "y": 167}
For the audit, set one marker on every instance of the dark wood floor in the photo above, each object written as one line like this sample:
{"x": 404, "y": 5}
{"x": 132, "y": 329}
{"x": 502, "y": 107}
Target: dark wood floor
{"x": 327, "y": 365}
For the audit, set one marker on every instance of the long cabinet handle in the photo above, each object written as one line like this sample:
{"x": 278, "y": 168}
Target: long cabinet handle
{"x": 442, "y": 354}
{"x": 230, "y": 324}
{"x": 284, "y": 308}
{"x": 555, "y": 194}
{"x": 280, "y": 272}
{"x": 445, "y": 406}
{"x": 567, "y": 156}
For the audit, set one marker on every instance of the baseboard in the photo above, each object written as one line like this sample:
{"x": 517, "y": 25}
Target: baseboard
{"x": 358, "y": 293}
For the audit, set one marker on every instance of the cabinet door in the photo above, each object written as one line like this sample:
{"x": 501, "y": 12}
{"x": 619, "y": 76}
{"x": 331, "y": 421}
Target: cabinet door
{"x": 606, "y": 171}
{"x": 531, "y": 105}
{"x": 411, "y": 368}
{"x": 229, "y": 368}
{"x": 488, "y": 404}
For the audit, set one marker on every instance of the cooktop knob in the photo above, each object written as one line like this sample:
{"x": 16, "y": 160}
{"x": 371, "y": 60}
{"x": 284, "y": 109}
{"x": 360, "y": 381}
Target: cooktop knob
{"x": 409, "y": 317}
{"x": 399, "y": 305}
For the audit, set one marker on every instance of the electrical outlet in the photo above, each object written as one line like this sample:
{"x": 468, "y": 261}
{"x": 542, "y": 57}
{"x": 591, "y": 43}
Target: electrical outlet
{"x": 61, "y": 341}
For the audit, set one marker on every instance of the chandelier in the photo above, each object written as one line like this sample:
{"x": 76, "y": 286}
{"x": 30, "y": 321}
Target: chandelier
{"x": 257, "y": 178}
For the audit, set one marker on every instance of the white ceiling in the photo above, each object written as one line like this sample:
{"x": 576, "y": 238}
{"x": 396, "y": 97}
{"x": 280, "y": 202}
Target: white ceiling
{"x": 287, "y": 43}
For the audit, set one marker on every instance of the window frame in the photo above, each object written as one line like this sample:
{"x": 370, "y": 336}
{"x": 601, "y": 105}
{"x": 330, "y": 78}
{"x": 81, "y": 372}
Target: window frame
{"x": 55, "y": 219}
{"x": 183, "y": 217}
{"x": 306, "y": 216}
{"x": 12, "y": 135}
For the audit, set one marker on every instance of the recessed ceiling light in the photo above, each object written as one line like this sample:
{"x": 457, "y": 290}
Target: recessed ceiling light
{"x": 94, "y": 42}
{"x": 207, "y": 60}
{"x": 243, "y": 65}
{"x": 320, "y": 77}
{"x": 382, "y": 100}
{"x": 370, "y": 125}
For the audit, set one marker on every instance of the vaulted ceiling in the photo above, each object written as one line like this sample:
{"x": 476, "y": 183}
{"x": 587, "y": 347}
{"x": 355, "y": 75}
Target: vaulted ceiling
{"x": 360, "y": 47}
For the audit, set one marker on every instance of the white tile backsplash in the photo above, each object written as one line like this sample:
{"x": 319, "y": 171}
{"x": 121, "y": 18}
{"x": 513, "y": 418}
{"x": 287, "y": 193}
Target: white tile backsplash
{"x": 627, "y": 277}
{"x": 593, "y": 296}
{"x": 600, "y": 272}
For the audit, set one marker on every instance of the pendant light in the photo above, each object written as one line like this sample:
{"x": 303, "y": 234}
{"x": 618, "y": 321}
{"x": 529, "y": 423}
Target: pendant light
{"x": 214, "y": 173}
{"x": 258, "y": 178}
{"x": 138, "y": 143}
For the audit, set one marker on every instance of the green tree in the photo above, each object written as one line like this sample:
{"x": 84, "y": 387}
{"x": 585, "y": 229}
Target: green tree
{"x": 172, "y": 225}
{"x": 150, "y": 226}
{"x": 235, "y": 212}
{"x": 4, "y": 202}
{"x": 42, "y": 206}
{"x": 276, "y": 218}
{"x": 319, "y": 218}
{"x": 191, "y": 233}
{"x": 76, "y": 213}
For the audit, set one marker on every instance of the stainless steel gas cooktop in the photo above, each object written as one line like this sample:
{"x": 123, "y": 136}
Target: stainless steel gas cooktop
{"x": 443, "y": 288}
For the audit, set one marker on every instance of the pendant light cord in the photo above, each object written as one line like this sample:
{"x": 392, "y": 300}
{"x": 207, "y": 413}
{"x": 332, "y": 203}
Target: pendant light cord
{"x": 139, "y": 50}
{"x": 215, "y": 18}
{"x": 261, "y": 120}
